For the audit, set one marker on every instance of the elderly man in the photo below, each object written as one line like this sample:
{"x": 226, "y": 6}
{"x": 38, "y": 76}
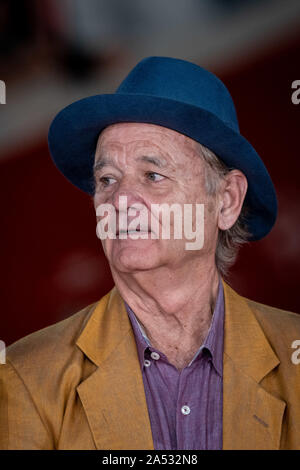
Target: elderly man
{"x": 172, "y": 357}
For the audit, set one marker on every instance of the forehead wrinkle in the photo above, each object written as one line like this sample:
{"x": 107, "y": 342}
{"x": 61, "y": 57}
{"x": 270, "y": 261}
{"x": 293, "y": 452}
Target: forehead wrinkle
{"x": 102, "y": 148}
{"x": 170, "y": 144}
{"x": 176, "y": 143}
{"x": 152, "y": 156}
{"x": 103, "y": 162}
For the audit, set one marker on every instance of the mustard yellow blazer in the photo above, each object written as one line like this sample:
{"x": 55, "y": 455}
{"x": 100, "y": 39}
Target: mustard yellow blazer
{"x": 78, "y": 384}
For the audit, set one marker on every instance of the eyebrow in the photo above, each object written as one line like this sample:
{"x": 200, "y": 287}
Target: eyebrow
{"x": 101, "y": 163}
{"x": 154, "y": 160}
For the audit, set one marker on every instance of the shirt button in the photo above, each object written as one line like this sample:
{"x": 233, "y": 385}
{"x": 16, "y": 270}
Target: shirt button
{"x": 185, "y": 410}
{"x": 155, "y": 355}
{"x": 147, "y": 363}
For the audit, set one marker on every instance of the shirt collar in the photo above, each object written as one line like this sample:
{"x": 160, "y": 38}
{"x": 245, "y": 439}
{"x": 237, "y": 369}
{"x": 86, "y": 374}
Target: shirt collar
{"x": 213, "y": 342}
{"x": 142, "y": 342}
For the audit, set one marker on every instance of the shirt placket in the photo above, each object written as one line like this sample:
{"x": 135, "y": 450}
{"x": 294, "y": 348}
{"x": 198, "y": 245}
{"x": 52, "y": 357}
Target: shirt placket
{"x": 184, "y": 408}
{"x": 157, "y": 363}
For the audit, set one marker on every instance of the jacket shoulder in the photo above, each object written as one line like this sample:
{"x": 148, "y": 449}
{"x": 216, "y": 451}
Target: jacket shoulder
{"x": 281, "y": 328}
{"x": 276, "y": 316}
{"x": 38, "y": 383}
{"x": 51, "y": 343}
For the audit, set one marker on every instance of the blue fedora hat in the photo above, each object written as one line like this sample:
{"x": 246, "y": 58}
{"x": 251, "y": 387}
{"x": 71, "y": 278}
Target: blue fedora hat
{"x": 175, "y": 94}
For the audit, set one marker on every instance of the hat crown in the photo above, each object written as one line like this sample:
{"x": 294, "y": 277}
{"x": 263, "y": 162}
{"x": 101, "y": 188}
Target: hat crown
{"x": 182, "y": 81}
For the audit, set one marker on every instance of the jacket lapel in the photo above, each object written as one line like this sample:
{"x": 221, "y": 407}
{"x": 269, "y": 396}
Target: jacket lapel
{"x": 113, "y": 396}
{"x": 252, "y": 417}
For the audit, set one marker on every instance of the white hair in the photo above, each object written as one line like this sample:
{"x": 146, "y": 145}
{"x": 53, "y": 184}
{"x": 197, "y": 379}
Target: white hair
{"x": 229, "y": 241}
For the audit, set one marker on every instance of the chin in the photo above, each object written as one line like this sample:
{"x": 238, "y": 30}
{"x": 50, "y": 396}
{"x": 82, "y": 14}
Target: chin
{"x": 137, "y": 257}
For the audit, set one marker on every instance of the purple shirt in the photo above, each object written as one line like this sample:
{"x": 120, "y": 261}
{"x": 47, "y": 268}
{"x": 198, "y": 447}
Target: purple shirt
{"x": 185, "y": 408}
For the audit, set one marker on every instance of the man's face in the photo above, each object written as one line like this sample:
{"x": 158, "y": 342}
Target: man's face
{"x": 150, "y": 164}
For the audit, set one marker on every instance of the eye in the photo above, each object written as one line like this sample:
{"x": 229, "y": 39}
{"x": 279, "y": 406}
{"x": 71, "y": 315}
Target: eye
{"x": 152, "y": 176}
{"x": 106, "y": 181}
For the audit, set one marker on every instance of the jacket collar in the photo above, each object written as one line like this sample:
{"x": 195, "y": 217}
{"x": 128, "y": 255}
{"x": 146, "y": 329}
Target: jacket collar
{"x": 245, "y": 341}
{"x": 105, "y": 329}
{"x": 113, "y": 395}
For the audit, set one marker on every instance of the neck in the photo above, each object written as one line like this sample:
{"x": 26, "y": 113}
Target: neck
{"x": 175, "y": 307}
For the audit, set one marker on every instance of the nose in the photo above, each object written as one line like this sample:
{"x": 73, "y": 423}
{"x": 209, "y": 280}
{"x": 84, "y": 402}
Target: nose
{"x": 127, "y": 193}
{"x": 129, "y": 203}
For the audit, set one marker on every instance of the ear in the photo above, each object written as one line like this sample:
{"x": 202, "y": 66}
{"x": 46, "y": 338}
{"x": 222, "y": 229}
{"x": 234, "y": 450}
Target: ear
{"x": 231, "y": 198}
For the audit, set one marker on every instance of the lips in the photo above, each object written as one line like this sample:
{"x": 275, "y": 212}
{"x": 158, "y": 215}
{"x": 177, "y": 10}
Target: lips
{"x": 128, "y": 232}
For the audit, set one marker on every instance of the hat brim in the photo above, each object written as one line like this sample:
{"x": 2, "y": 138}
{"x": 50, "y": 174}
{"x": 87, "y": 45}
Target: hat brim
{"x": 75, "y": 130}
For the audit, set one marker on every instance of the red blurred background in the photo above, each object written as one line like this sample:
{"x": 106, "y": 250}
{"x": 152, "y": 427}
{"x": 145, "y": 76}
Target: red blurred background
{"x": 52, "y": 262}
